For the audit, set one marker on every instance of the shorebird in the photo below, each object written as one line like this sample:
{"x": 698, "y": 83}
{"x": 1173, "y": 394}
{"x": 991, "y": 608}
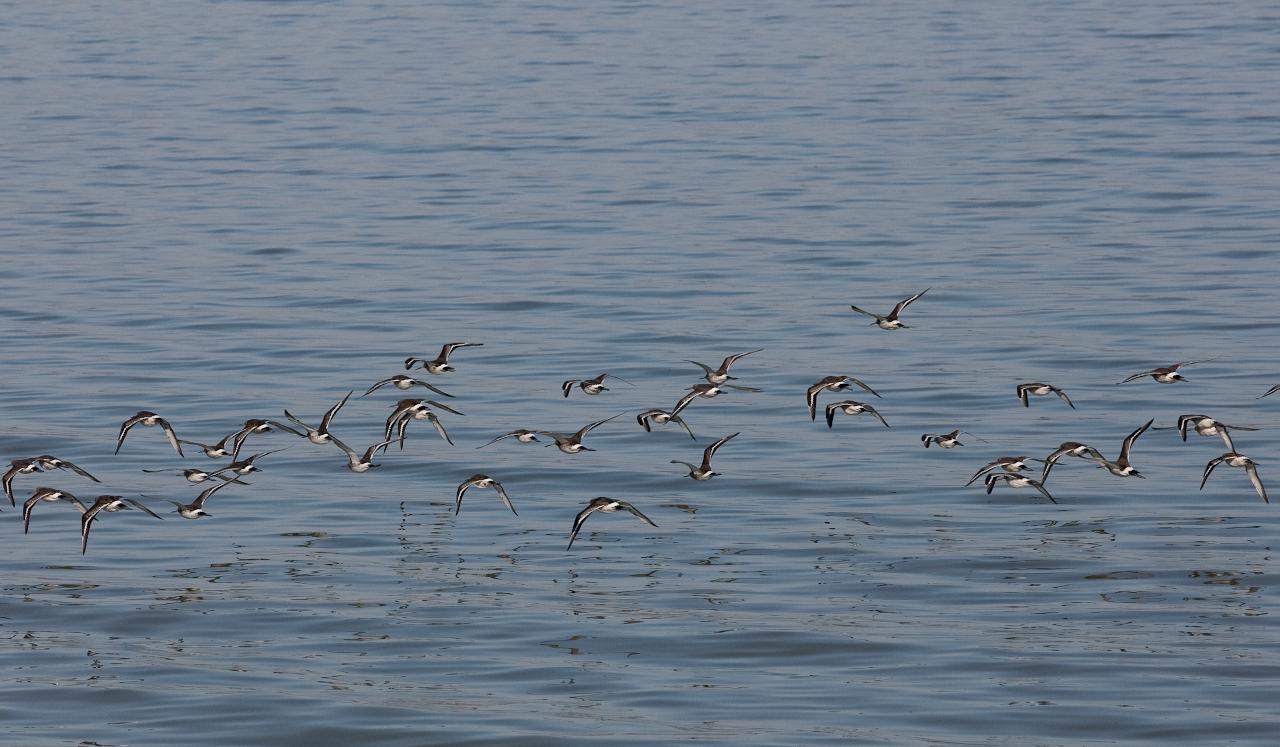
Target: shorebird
{"x": 110, "y": 504}
{"x": 1071, "y": 449}
{"x": 213, "y": 451}
{"x": 1008, "y": 464}
{"x": 52, "y": 496}
{"x": 1121, "y": 467}
{"x": 246, "y": 465}
{"x": 321, "y": 435}
{"x": 1233, "y": 459}
{"x": 357, "y": 462}
{"x": 704, "y": 471}
{"x": 706, "y": 391}
{"x": 943, "y": 440}
{"x": 523, "y": 435}
{"x": 721, "y": 375}
{"x": 18, "y": 467}
{"x": 573, "y": 444}
{"x": 254, "y": 425}
{"x": 1270, "y": 391}
{"x": 481, "y": 481}
{"x": 1041, "y": 390}
{"x": 604, "y": 505}
{"x": 407, "y": 410}
{"x": 145, "y": 417}
{"x": 441, "y": 362}
{"x": 1166, "y": 375}
{"x": 401, "y": 381}
{"x": 850, "y": 407}
{"x": 197, "y": 476}
{"x": 195, "y": 509}
{"x": 662, "y": 417}
{"x": 831, "y": 384}
{"x": 48, "y": 463}
{"x": 1016, "y": 481}
{"x": 890, "y": 320}
{"x": 590, "y": 386}
{"x": 1207, "y": 426}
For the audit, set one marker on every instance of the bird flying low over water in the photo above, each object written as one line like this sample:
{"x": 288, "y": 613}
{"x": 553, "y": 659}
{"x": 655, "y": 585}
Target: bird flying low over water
{"x": 440, "y": 364}
{"x": 1233, "y": 459}
{"x": 721, "y": 375}
{"x": 662, "y": 417}
{"x": 1008, "y": 464}
{"x": 890, "y": 320}
{"x": 1206, "y": 426}
{"x": 481, "y": 481}
{"x": 320, "y": 435}
{"x": 604, "y": 505}
{"x": 401, "y": 381}
{"x": 943, "y": 440}
{"x": 255, "y": 425}
{"x": 1165, "y": 375}
{"x": 523, "y": 435}
{"x": 145, "y": 417}
{"x": 213, "y": 451}
{"x": 1071, "y": 449}
{"x": 572, "y": 444}
{"x": 195, "y": 509}
{"x": 359, "y": 462}
{"x": 109, "y": 504}
{"x": 850, "y": 407}
{"x": 590, "y": 386}
{"x": 1016, "y": 481}
{"x": 1041, "y": 390}
{"x": 50, "y": 495}
{"x": 704, "y": 471}
{"x": 1121, "y": 466}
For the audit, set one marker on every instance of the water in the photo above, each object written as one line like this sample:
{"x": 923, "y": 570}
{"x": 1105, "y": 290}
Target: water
{"x": 219, "y": 210}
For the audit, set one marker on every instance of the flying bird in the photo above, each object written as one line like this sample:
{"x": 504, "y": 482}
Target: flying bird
{"x": 604, "y": 505}
{"x": 890, "y": 320}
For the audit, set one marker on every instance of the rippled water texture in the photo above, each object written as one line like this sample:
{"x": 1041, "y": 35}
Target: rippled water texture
{"x": 219, "y": 210}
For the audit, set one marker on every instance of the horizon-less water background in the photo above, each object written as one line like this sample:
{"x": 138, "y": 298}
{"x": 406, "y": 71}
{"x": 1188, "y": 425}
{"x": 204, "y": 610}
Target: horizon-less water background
{"x": 220, "y": 210}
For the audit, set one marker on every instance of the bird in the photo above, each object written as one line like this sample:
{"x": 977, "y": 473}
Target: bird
{"x": 110, "y": 504}
{"x": 197, "y": 476}
{"x": 415, "y": 409}
{"x": 246, "y": 465}
{"x": 943, "y": 440}
{"x": 48, "y": 463}
{"x": 195, "y": 509}
{"x": 1016, "y": 481}
{"x": 401, "y": 381}
{"x": 213, "y": 451}
{"x": 573, "y": 444}
{"x": 1165, "y": 375}
{"x": 18, "y": 467}
{"x": 1008, "y": 464}
{"x": 357, "y": 462}
{"x": 481, "y": 481}
{"x": 831, "y": 384}
{"x": 145, "y": 417}
{"x": 850, "y": 407}
{"x": 255, "y": 425}
{"x": 704, "y": 471}
{"x": 1270, "y": 392}
{"x": 706, "y": 391}
{"x": 662, "y": 417}
{"x": 1234, "y": 459}
{"x": 1121, "y": 466}
{"x": 1072, "y": 449}
{"x": 1040, "y": 390}
{"x": 721, "y": 375}
{"x": 441, "y": 362}
{"x": 523, "y": 435}
{"x": 604, "y": 505}
{"x": 890, "y": 320}
{"x": 590, "y": 386}
{"x": 51, "y": 495}
{"x": 1207, "y": 426}
{"x": 321, "y": 434}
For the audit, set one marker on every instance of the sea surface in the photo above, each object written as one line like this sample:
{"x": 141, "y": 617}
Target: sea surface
{"x": 220, "y": 210}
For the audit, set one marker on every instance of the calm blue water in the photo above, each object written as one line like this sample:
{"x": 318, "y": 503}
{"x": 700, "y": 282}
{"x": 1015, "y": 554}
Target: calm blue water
{"x": 219, "y": 210}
